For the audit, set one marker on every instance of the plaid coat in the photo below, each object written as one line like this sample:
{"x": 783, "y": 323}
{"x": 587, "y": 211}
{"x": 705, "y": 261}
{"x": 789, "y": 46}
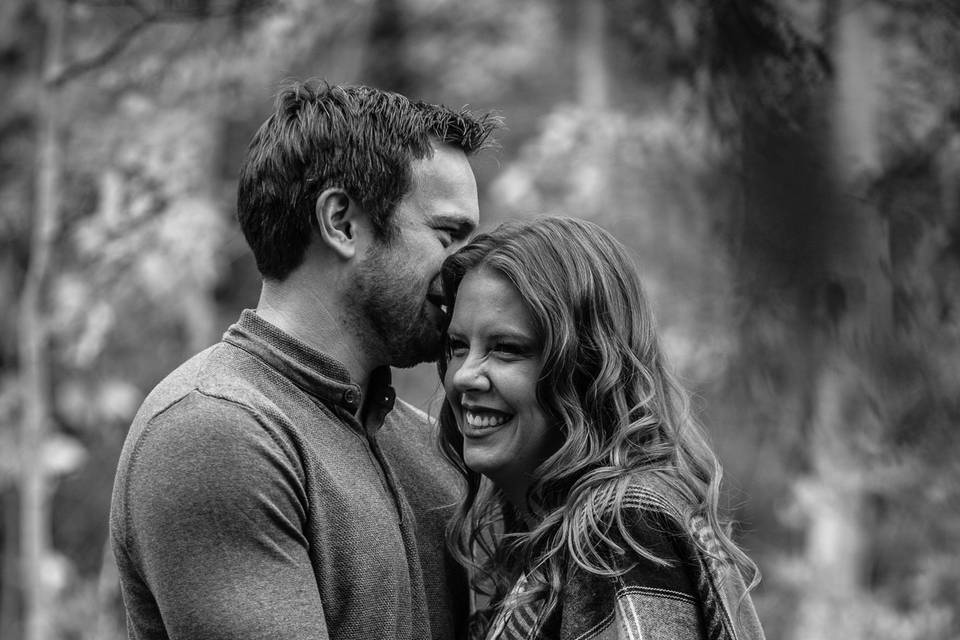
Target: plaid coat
{"x": 698, "y": 597}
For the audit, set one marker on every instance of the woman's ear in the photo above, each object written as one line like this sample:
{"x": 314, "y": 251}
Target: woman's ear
{"x": 336, "y": 219}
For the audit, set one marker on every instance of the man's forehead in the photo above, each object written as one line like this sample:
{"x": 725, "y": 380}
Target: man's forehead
{"x": 445, "y": 188}
{"x": 446, "y": 161}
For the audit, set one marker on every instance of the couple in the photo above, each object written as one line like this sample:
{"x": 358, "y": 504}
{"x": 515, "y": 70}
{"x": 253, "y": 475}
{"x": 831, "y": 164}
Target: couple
{"x": 273, "y": 487}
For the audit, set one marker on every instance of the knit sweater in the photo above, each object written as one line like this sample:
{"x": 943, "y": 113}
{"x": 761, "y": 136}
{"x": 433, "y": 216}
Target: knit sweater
{"x": 250, "y": 502}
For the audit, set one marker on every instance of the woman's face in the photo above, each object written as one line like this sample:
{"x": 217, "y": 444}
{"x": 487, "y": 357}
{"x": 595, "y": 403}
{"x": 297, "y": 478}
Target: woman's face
{"x": 494, "y": 363}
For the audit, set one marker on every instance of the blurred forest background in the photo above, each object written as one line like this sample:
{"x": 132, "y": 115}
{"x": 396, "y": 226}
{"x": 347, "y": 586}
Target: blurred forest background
{"x": 787, "y": 172}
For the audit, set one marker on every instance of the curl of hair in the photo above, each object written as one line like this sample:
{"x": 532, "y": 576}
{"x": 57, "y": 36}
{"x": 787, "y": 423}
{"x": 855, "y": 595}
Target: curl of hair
{"x": 355, "y": 138}
{"x": 622, "y": 415}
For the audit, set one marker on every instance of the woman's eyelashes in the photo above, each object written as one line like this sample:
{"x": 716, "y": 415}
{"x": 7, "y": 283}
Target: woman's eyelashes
{"x": 510, "y": 349}
{"x": 505, "y": 349}
{"x": 456, "y": 347}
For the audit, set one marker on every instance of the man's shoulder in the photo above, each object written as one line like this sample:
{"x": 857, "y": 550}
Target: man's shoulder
{"x": 409, "y": 440}
{"x": 204, "y": 398}
{"x": 408, "y": 428}
{"x": 405, "y": 415}
{"x": 177, "y": 384}
{"x": 210, "y": 377}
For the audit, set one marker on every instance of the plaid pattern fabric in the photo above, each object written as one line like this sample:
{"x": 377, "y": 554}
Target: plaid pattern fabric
{"x": 516, "y": 622}
{"x": 693, "y": 599}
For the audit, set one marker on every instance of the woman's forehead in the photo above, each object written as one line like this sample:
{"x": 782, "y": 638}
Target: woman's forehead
{"x": 488, "y": 298}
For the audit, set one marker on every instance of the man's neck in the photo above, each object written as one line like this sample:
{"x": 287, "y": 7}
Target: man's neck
{"x": 312, "y": 317}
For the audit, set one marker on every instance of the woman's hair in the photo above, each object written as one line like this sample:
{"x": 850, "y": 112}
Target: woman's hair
{"x": 606, "y": 388}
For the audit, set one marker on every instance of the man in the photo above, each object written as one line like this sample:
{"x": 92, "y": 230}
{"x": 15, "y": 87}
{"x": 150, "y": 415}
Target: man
{"x": 269, "y": 488}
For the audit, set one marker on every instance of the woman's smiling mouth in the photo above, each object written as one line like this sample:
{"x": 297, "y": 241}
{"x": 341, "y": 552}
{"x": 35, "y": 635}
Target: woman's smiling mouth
{"x": 485, "y": 418}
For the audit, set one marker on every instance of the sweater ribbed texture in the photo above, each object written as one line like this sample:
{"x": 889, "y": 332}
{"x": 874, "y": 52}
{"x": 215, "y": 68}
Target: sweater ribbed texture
{"x": 249, "y": 502}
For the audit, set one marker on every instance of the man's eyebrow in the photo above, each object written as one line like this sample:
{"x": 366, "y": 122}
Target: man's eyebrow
{"x": 460, "y": 225}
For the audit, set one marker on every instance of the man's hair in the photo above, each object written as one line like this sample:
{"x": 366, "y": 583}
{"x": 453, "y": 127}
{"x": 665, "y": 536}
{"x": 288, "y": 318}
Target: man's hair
{"x": 355, "y": 138}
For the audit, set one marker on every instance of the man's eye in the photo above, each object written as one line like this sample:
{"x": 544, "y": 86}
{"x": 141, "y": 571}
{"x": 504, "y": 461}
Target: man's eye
{"x": 446, "y": 236}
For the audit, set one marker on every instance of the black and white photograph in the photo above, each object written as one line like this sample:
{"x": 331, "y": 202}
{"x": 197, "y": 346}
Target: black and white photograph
{"x": 486, "y": 320}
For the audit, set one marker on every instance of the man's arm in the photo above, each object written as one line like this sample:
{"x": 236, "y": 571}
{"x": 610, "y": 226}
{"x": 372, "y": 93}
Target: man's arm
{"x": 215, "y": 513}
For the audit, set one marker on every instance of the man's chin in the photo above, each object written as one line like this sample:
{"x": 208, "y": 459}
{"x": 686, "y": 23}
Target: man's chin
{"x": 426, "y": 352}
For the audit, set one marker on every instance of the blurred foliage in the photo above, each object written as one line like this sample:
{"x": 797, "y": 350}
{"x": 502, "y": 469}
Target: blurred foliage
{"x": 699, "y": 132}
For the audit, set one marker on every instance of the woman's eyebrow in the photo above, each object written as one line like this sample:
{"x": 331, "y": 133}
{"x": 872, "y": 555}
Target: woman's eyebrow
{"x": 512, "y": 334}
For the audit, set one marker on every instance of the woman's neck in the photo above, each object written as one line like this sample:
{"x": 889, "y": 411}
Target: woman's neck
{"x": 524, "y": 513}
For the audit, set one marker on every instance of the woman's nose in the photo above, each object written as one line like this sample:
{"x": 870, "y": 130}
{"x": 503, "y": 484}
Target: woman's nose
{"x": 471, "y": 375}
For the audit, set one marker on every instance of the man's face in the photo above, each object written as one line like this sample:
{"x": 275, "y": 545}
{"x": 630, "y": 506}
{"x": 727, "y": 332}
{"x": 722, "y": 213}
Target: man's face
{"x": 398, "y": 285}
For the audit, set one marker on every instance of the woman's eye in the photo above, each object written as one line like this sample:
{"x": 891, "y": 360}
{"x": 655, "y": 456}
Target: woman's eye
{"x": 509, "y": 348}
{"x": 456, "y": 348}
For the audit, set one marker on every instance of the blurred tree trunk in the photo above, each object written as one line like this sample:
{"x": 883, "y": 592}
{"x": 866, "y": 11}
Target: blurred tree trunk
{"x": 593, "y": 83}
{"x": 11, "y": 570}
{"x": 108, "y": 588}
{"x": 855, "y": 303}
{"x": 806, "y": 237}
{"x": 594, "y": 171}
{"x": 386, "y": 57}
{"x": 33, "y": 336}
{"x": 830, "y": 251}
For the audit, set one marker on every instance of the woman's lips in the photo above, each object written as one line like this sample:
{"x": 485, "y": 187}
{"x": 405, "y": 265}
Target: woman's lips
{"x": 477, "y": 418}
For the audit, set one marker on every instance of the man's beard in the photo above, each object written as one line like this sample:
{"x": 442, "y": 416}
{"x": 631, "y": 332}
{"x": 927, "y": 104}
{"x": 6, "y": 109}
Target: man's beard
{"x": 391, "y": 303}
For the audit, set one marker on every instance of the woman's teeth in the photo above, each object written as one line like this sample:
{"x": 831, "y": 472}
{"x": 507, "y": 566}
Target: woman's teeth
{"x": 485, "y": 419}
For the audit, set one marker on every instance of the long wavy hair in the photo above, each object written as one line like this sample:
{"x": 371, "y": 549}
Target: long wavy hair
{"x": 606, "y": 388}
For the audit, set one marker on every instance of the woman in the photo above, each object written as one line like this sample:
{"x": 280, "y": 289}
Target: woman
{"x": 591, "y": 508}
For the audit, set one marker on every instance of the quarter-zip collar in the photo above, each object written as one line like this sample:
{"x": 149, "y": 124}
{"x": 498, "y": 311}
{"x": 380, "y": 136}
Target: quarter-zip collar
{"x": 311, "y": 370}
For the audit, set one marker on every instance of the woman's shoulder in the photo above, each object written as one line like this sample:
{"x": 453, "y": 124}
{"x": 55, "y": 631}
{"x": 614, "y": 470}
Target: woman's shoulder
{"x": 650, "y": 577}
{"x": 629, "y": 508}
{"x": 649, "y": 494}
{"x": 654, "y": 508}
{"x": 642, "y": 515}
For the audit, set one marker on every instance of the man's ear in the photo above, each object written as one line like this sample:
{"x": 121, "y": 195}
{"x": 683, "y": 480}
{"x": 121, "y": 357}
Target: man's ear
{"x": 336, "y": 217}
